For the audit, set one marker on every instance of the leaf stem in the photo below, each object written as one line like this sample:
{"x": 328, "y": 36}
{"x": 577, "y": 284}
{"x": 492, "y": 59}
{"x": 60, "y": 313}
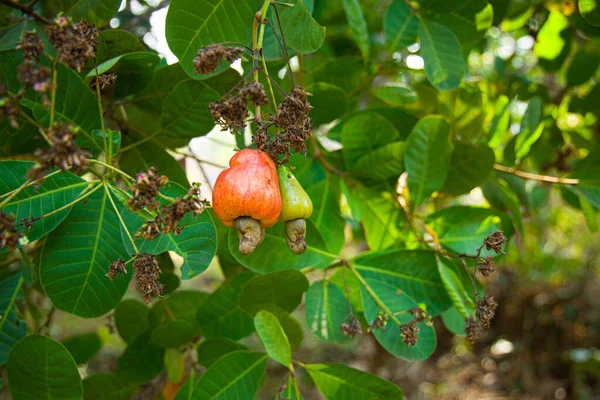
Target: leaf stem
{"x": 33, "y": 182}
{"x": 284, "y": 46}
{"x": 117, "y": 170}
{"x": 36, "y": 124}
{"x": 99, "y": 96}
{"x": 107, "y": 189}
{"x": 54, "y": 86}
{"x": 541, "y": 178}
{"x": 14, "y": 193}
{"x": 82, "y": 196}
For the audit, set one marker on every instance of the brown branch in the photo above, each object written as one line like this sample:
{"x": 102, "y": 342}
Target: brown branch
{"x": 541, "y": 178}
{"x": 27, "y": 9}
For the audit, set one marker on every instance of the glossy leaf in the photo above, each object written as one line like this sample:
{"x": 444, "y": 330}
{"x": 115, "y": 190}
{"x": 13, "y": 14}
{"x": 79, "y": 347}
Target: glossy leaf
{"x": 107, "y": 386}
{"x": 55, "y": 371}
{"x": 441, "y": 53}
{"x": 302, "y": 32}
{"x": 358, "y": 26}
{"x": 213, "y": 349}
{"x": 454, "y": 322}
{"x": 12, "y": 330}
{"x": 326, "y": 214}
{"x": 131, "y": 319}
{"x": 400, "y": 26}
{"x": 37, "y": 200}
{"x": 469, "y": 167}
{"x": 395, "y": 94}
{"x": 427, "y": 157}
{"x": 326, "y": 309}
{"x": 470, "y": 22}
{"x": 457, "y": 292}
{"x": 273, "y": 337}
{"x": 76, "y": 257}
{"x": 363, "y": 133}
{"x": 142, "y": 360}
{"x": 236, "y": 376}
{"x": 553, "y": 41}
{"x": 531, "y": 128}
{"x": 97, "y": 12}
{"x": 386, "y": 162}
{"x": 265, "y": 291}
{"x": 339, "y": 382}
{"x": 329, "y": 102}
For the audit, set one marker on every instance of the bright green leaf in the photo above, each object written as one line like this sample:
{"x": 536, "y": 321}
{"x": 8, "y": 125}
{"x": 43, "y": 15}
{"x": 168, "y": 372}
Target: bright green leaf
{"x": 531, "y": 127}
{"x": 469, "y": 167}
{"x": 326, "y": 309}
{"x": 273, "y": 337}
{"x": 358, "y": 26}
{"x": 400, "y": 26}
{"x": 265, "y": 291}
{"x": 441, "y": 53}
{"x": 213, "y": 349}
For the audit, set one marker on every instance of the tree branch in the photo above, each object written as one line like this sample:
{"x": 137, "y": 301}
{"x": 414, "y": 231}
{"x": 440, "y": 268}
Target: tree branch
{"x": 541, "y": 178}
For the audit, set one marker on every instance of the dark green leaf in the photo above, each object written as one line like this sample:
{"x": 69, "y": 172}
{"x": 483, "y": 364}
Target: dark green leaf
{"x": 220, "y": 315}
{"x": 211, "y": 350}
{"x": 358, "y": 26}
{"x": 400, "y": 26}
{"x": 346, "y": 73}
{"x": 174, "y": 333}
{"x": 37, "y": 200}
{"x": 142, "y": 360}
{"x": 441, "y": 53}
{"x": 76, "y": 257}
{"x": 339, "y": 382}
{"x": 302, "y": 33}
{"x": 395, "y": 94}
{"x": 457, "y": 292}
{"x": 591, "y": 218}
{"x": 182, "y": 305}
{"x": 113, "y": 139}
{"x": 326, "y": 309}
{"x": 131, "y": 319}
{"x": 363, "y": 133}
{"x": 12, "y": 330}
{"x": 265, "y": 291}
{"x": 107, "y": 386}
{"x": 113, "y": 43}
{"x": 236, "y": 376}
{"x": 584, "y": 64}
{"x": 273, "y": 337}
{"x": 590, "y": 10}
{"x": 97, "y": 12}
{"x": 55, "y": 371}
{"x": 191, "y": 25}
{"x": 443, "y": 6}
{"x": 83, "y": 347}
{"x": 427, "y": 157}
{"x": 326, "y": 214}
{"x": 470, "y": 22}
{"x": 329, "y": 102}
{"x": 469, "y": 167}
{"x": 384, "y": 163}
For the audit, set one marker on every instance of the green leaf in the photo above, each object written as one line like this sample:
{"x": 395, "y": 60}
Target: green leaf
{"x": 454, "y": 287}
{"x": 590, "y": 11}
{"x": 395, "y": 94}
{"x": 584, "y": 64}
{"x": 291, "y": 390}
{"x": 12, "y": 330}
{"x": 358, "y": 26}
{"x": 134, "y": 71}
{"x": 273, "y": 337}
{"x": 400, "y": 26}
{"x": 441, "y": 53}
{"x": 291, "y": 326}
{"x": 175, "y": 364}
{"x": 174, "y": 334}
{"x": 197, "y": 243}
{"x": 329, "y": 102}
{"x": 191, "y": 25}
{"x": 384, "y": 163}
{"x": 265, "y": 291}
{"x": 414, "y": 272}
{"x": 326, "y": 309}
{"x": 185, "y": 114}
{"x": 470, "y": 22}
{"x": 55, "y": 371}
{"x": 142, "y": 360}
{"x": 236, "y": 376}
{"x": 113, "y": 139}
{"x": 274, "y": 255}
{"x": 427, "y": 157}
{"x": 145, "y": 155}
{"x": 326, "y": 214}
{"x": 20, "y": 140}
{"x": 396, "y": 301}
{"x": 553, "y": 41}
{"x": 589, "y": 213}
{"x": 182, "y": 305}
{"x": 107, "y": 386}
{"x": 443, "y": 6}
{"x": 97, "y": 12}
{"x": 113, "y": 43}
{"x": 302, "y": 33}
{"x": 37, "y": 200}
{"x": 454, "y": 321}
{"x": 499, "y": 132}
{"x": 343, "y": 279}
{"x": 531, "y": 128}
{"x": 83, "y": 347}
{"x": 213, "y": 349}
{"x": 339, "y": 382}
{"x": 363, "y": 133}
{"x": 346, "y": 73}
{"x": 131, "y": 319}
{"x": 75, "y": 260}
{"x": 470, "y": 165}
{"x": 513, "y": 205}
{"x": 220, "y": 315}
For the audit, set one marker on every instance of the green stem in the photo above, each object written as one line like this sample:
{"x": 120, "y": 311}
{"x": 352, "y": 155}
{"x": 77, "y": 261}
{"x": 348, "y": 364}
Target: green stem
{"x": 33, "y": 182}
{"x": 120, "y": 217}
{"x": 144, "y": 140}
{"x": 36, "y": 124}
{"x": 14, "y": 193}
{"x": 109, "y": 143}
{"x": 167, "y": 198}
{"x": 117, "y": 170}
{"x": 77, "y": 200}
{"x": 54, "y": 86}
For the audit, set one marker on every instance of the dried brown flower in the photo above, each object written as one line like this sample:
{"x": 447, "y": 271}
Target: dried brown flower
{"x": 473, "y": 329}
{"x": 230, "y": 113}
{"x": 255, "y": 92}
{"x": 420, "y": 314}
{"x": 379, "y": 322}
{"x": 31, "y": 46}
{"x": 63, "y": 152}
{"x": 208, "y": 57}
{"x": 145, "y": 189}
{"x": 495, "y": 242}
{"x": 104, "y": 80}
{"x": 116, "y": 268}
{"x": 9, "y": 236}
{"x": 486, "y": 266}
{"x": 37, "y": 77}
{"x": 76, "y": 43}
{"x": 8, "y": 107}
{"x": 409, "y": 333}
{"x": 351, "y": 328}
{"x": 146, "y": 274}
{"x": 485, "y": 310}
{"x": 150, "y": 230}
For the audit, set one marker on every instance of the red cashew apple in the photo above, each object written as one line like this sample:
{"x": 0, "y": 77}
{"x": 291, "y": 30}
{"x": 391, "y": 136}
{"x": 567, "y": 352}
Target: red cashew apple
{"x": 246, "y": 196}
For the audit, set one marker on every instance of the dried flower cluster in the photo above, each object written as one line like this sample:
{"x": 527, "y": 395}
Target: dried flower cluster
{"x": 379, "y": 322}
{"x": 116, "y": 268}
{"x": 31, "y": 73}
{"x": 410, "y": 333}
{"x": 9, "y": 236}
{"x": 495, "y": 241}
{"x": 63, "y": 152}
{"x": 232, "y": 112}
{"x": 486, "y": 266}
{"x": 293, "y": 124}
{"x": 75, "y": 42}
{"x": 104, "y": 80}
{"x": 145, "y": 189}
{"x": 8, "y": 107}
{"x": 168, "y": 219}
{"x": 485, "y": 310}
{"x": 473, "y": 329}
{"x": 146, "y": 274}
{"x": 351, "y": 328}
{"x": 208, "y": 57}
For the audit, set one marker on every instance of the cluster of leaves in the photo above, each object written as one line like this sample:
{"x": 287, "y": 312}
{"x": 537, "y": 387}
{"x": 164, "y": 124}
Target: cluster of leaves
{"x": 425, "y": 167}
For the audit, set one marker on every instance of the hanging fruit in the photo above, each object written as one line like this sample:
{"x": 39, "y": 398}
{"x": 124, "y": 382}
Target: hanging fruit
{"x": 246, "y": 196}
{"x": 296, "y": 207}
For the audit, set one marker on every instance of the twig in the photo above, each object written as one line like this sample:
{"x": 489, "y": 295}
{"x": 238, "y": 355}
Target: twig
{"x": 98, "y": 94}
{"x": 541, "y": 178}
{"x": 117, "y": 170}
{"x": 287, "y": 56}
{"x": 27, "y": 9}
{"x": 412, "y": 8}
{"x": 106, "y": 188}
